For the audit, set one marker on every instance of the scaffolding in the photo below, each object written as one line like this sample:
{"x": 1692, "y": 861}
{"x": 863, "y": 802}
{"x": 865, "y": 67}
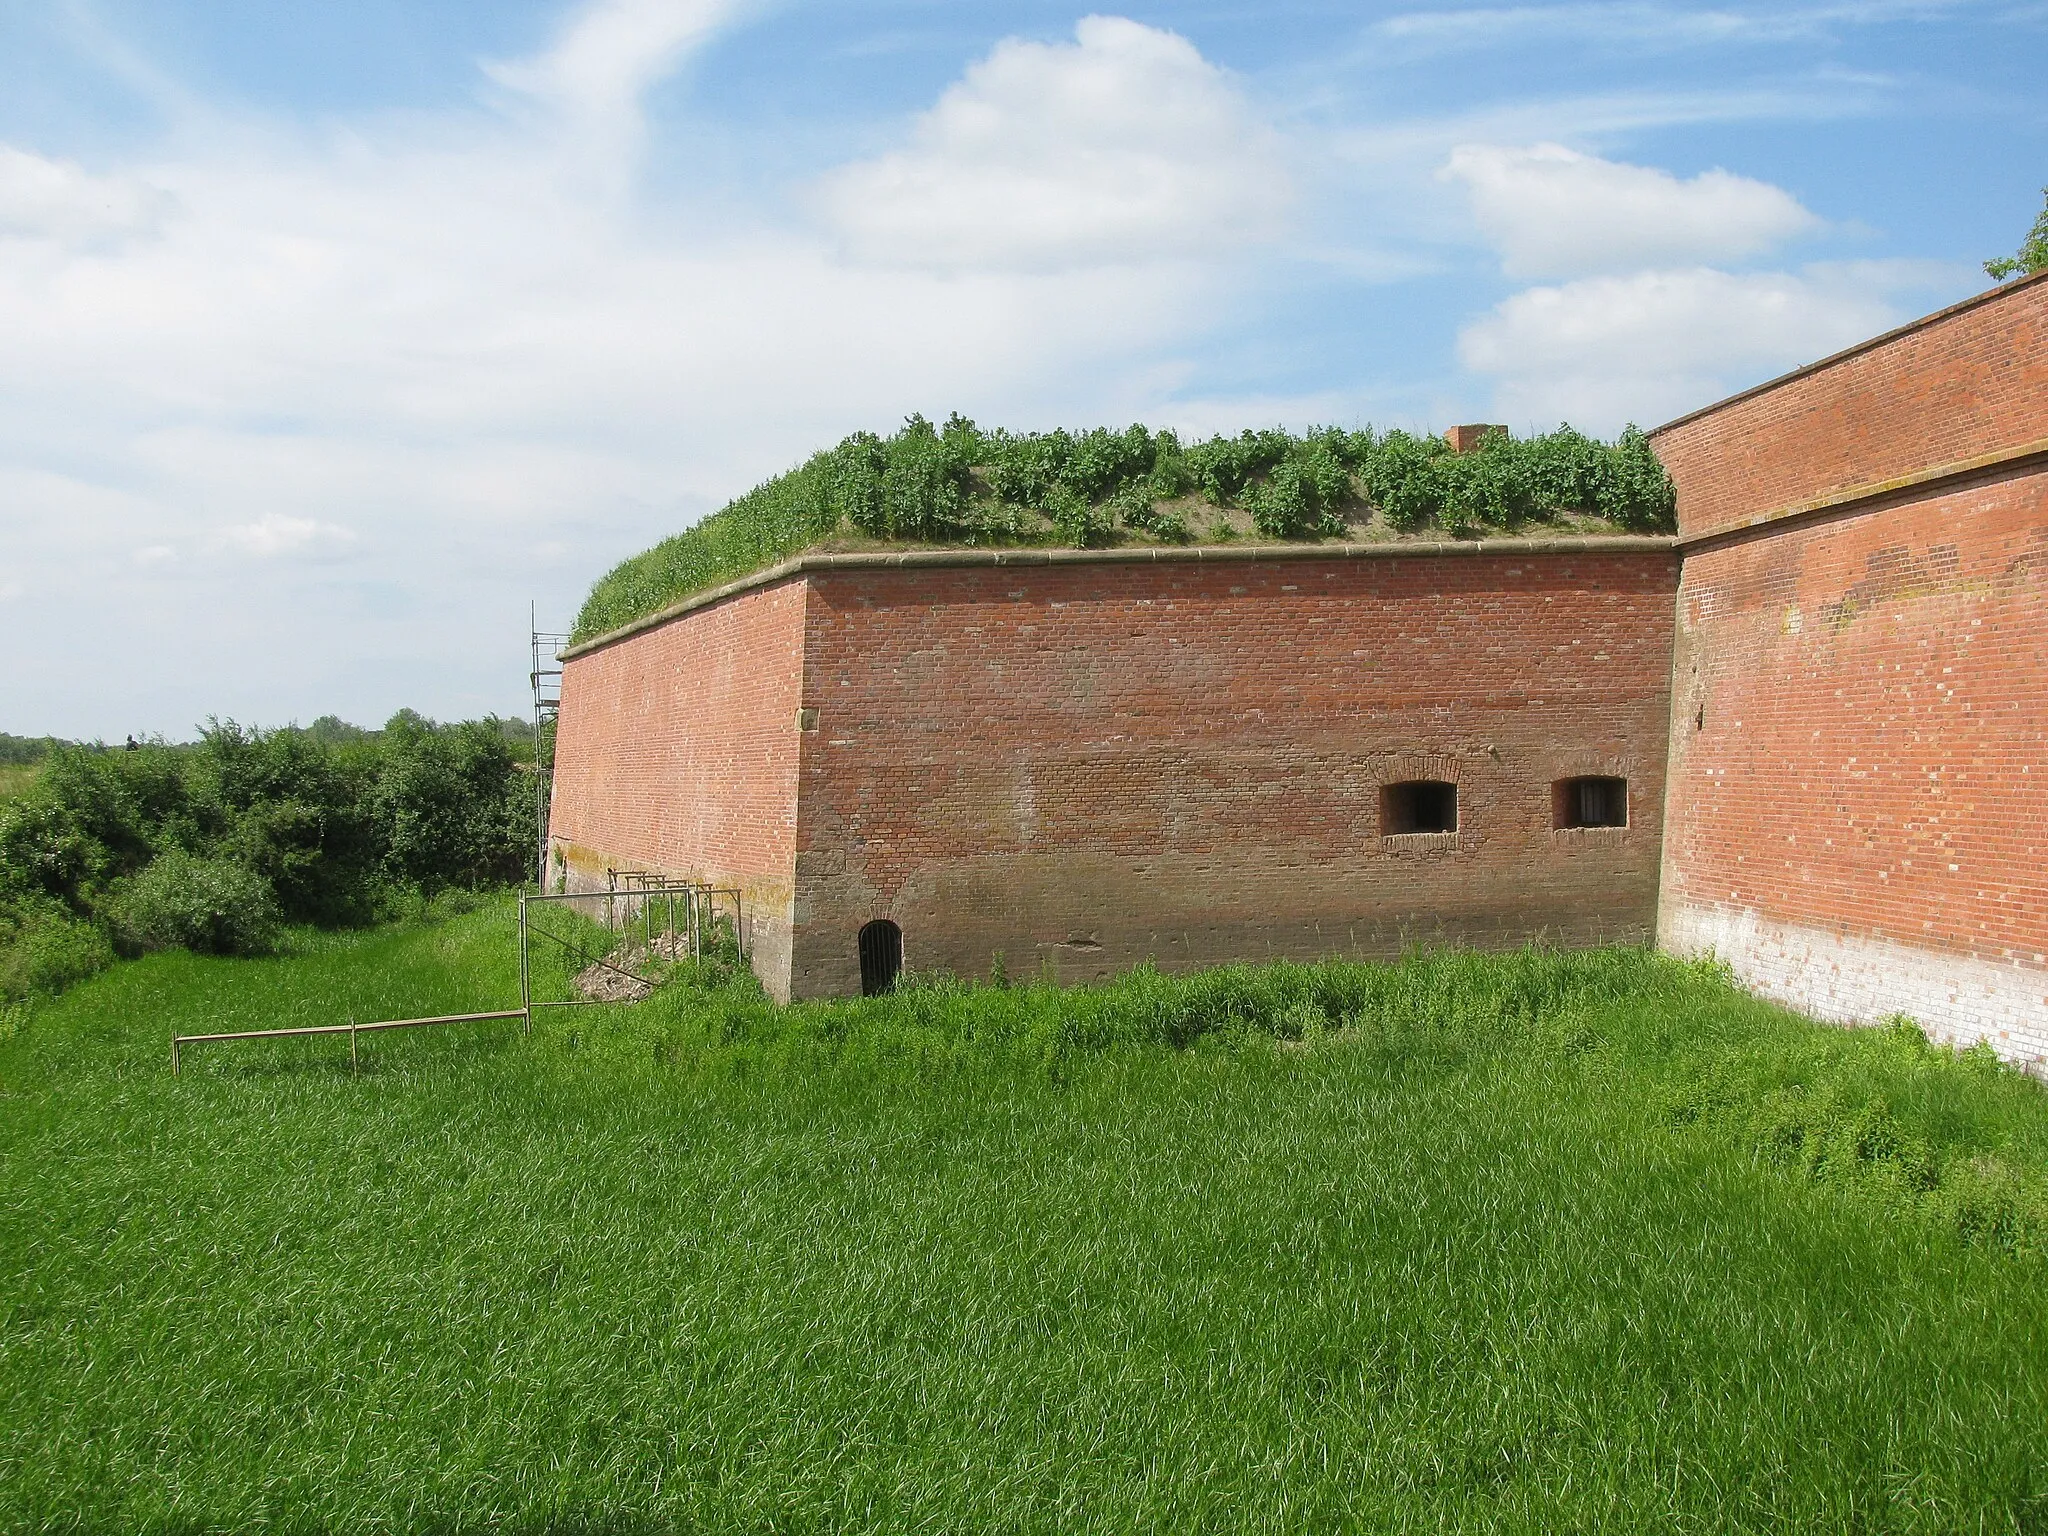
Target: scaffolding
{"x": 545, "y": 675}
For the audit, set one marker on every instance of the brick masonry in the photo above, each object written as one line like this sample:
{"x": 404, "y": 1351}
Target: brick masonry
{"x": 1089, "y": 764}
{"x": 1859, "y": 820}
{"x": 1943, "y": 391}
{"x": 1083, "y": 762}
{"x": 677, "y": 753}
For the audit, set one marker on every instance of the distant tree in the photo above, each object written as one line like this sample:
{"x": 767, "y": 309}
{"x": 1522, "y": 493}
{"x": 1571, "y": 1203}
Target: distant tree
{"x": 16, "y": 750}
{"x": 332, "y": 730}
{"x": 2032, "y": 255}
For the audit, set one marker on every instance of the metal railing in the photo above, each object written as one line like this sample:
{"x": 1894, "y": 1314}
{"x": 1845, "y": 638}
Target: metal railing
{"x": 351, "y": 1029}
{"x": 684, "y": 909}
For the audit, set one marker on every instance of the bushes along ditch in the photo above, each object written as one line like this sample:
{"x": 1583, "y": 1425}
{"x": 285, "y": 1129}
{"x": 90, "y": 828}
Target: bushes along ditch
{"x": 215, "y": 846}
{"x": 957, "y": 484}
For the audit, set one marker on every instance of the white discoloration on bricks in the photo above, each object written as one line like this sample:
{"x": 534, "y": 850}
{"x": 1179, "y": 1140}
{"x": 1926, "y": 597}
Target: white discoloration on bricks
{"x": 1851, "y": 979}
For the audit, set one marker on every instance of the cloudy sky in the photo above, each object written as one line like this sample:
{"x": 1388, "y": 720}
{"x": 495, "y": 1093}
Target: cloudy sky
{"x": 331, "y": 336}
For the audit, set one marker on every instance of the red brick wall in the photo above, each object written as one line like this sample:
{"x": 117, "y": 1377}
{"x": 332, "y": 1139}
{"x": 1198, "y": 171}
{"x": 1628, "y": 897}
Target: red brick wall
{"x": 1967, "y": 384}
{"x": 1858, "y": 816}
{"x": 1859, "y": 762}
{"x": 677, "y": 752}
{"x": 1084, "y": 766}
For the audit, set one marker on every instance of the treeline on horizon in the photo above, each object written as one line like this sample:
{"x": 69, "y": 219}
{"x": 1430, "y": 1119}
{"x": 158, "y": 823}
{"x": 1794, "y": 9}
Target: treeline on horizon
{"x": 220, "y": 844}
{"x": 26, "y": 751}
{"x": 958, "y": 484}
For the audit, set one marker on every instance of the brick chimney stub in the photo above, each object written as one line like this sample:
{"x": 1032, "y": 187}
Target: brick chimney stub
{"x": 1465, "y": 439}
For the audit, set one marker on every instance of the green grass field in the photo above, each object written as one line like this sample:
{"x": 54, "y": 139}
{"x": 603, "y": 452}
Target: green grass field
{"x": 16, "y": 777}
{"x": 1535, "y": 1243}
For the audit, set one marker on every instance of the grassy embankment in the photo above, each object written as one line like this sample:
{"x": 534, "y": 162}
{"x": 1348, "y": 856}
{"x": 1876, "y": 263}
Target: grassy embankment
{"x": 16, "y": 777}
{"x": 1531, "y": 1243}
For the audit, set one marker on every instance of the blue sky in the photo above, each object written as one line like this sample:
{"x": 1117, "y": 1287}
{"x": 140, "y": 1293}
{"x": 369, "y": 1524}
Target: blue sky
{"x": 332, "y": 335}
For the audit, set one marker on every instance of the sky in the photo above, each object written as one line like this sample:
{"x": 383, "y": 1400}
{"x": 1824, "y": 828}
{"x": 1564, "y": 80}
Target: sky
{"x": 335, "y": 340}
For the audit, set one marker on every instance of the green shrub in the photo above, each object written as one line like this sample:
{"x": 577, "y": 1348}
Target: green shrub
{"x": 210, "y": 906}
{"x": 1025, "y": 471}
{"x": 1102, "y": 460}
{"x": 448, "y": 806}
{"x": 1566, "y": 468}
{"x": 1135, "y": 507}
{"x": 1171, "y": 476}
{"x": 43, "y": 950}
{"x": 1223, "y": 466}
{"x": 1081, "y": 526}
{"x": 924, "y": 488}
{"x": 329, "y": 828}
{"x": 1489, "y": 487}
{"x": 26, "y": 751}
{"x": 1401, "y": 478}
{"x": 90, "y": 819}
{"x": 1302, "y": 495}
{"x": 294, "y": 810}
{"x": 1637, "y": 493}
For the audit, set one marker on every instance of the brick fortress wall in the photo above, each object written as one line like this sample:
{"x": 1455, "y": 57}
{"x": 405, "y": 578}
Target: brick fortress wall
{"x": 1086, "y": 764}
{"x": 1858, "y": 812}
{"x": 677, "y": 752}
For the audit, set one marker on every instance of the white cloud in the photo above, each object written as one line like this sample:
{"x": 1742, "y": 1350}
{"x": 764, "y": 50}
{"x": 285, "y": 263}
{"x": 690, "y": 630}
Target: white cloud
{"x": 1652, "y": 344}
{"x": 62, "y": 201}
{"x": 274, "y": 535}
{"x": 609, "y": 53}
{"x": 1635, "y": 25}
{"x": 1123, "y": 145}
{"x": 470, "y": 338}
{"x": 499, "y": 377}
{"x": 1553, "y": 212}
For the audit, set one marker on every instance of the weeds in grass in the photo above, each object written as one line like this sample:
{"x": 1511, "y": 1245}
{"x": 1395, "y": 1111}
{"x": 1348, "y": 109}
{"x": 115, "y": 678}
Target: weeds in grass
{"x": 1881, "y": 1112}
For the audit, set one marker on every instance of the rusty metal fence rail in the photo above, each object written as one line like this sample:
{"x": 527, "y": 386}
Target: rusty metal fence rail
{"x": 351, "y": 1029}
{"x": 670, "y": 920}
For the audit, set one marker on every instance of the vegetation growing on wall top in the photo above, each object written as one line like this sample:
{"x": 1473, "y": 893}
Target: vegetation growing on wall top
{"x": 2032, "y": 256}
{"x": 959, "y": 485}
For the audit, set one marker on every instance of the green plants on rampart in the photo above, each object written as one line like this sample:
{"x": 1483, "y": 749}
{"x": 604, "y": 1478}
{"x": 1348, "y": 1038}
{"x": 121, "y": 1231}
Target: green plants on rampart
{"x": 2031, "y": 257}
{"x": 958, "y": 484}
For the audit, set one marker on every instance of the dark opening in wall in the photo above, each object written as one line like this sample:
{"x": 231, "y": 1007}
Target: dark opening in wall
{"x": 1589, "y": 802}
{"x": 1420, "y": 805}
{"x": 881, "y": 956}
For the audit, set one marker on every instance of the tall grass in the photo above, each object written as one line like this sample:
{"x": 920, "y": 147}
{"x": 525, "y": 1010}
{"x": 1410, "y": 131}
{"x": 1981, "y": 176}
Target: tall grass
{"x": 1460, "y": 1243}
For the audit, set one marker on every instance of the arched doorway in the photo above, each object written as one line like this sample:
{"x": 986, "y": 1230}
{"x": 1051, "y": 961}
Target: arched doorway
{"x": 881, "y": 957}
